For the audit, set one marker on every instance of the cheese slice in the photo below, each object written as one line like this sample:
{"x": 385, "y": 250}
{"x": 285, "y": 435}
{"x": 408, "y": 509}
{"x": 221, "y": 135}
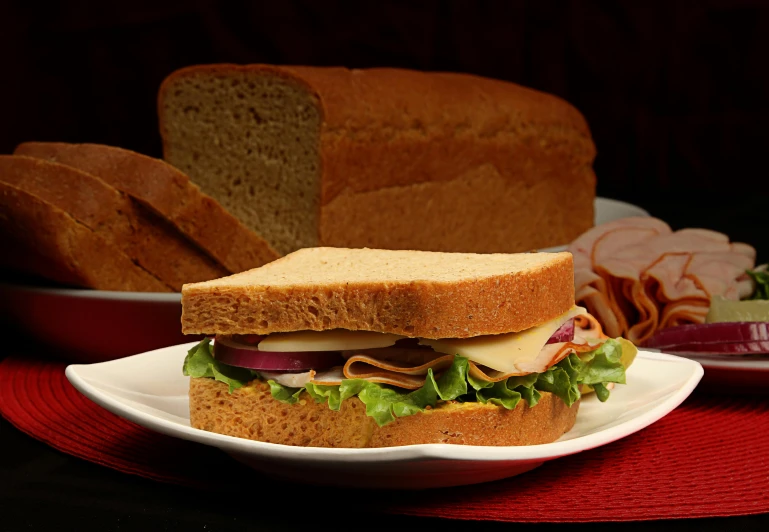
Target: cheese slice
{"x": 333, "y": 340}
{"x": 504, "y": 352}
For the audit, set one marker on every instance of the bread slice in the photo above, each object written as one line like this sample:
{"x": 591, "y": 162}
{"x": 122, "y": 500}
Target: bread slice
{"x": 251, "y": 412}
{"x": 141, "y": 234}
{"x": 169, "y": 193}
{"x": 413, "y": 293}
{"x": 382, "y": 158}
{"x": 42, "y": 239}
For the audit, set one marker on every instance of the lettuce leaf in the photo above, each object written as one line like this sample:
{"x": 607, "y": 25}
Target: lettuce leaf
{"x": 561, "y": 381}
{"x": 594, "y": 369}
{"x": 284, "y": 394}
{"x": 603, "y": 365}
{"x": 761, "y": 278}
{"x": 325, "y": 394}
{"x": 386, "y": 403}
{"x": 200, "y": 362}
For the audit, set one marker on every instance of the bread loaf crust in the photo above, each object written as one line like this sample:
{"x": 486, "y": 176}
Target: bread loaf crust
{"x": 43, "y": 239}
{"x": 430, "y": 308}
{"x": 437, "y": 161}
{"x": 168, "y": 192}
{"x": 251, "y": 412}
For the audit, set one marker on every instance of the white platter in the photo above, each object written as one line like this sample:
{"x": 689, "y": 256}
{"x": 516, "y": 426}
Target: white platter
{"x": 149, "y": 389}
{"x": 735, "y": 374}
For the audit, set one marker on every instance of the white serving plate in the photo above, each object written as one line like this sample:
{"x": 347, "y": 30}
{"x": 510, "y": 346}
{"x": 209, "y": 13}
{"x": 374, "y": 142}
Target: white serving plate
{"x": 735, "y": 374}
{"x": 149, "y": 389}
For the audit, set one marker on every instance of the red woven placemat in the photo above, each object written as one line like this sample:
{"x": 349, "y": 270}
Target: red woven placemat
{"x": 708, "y": 458}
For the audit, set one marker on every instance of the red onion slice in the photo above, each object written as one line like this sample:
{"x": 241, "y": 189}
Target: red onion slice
{"x": 710, "y": 333}
{"x": 725, "y": 348}
{"x": 232, "y": 353}
{"x": 565, "y": 333}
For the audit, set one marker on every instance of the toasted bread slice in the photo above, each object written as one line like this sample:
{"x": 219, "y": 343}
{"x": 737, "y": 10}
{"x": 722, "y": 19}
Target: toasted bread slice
{"x": 42, "y": 239}
{"x": 140, "y": 233}
{"x": 169, "y": 193}
{"x": 250, "y": 412}
{"x": 413, "y": 293}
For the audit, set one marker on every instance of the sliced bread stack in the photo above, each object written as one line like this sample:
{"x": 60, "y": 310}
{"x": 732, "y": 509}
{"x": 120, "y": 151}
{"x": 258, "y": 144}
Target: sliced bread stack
{"x": 110, "y": 219}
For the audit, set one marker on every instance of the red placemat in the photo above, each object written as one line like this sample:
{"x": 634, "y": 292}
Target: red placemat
{"x": 708, "y": 458}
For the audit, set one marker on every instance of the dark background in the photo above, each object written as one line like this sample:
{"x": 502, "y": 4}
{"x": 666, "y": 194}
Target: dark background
{"x": 676, "y": 94}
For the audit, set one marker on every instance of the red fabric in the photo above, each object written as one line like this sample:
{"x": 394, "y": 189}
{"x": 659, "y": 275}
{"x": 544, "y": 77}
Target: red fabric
{"x": 708, "y": 458}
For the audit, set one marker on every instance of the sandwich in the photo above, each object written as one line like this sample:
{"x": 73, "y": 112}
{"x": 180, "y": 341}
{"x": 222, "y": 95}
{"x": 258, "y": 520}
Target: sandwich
{"x": 333, "y": 347}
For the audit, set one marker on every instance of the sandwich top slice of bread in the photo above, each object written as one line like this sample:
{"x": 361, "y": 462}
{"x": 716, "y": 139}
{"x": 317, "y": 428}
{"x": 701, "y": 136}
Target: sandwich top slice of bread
{"x": 382, "y": 158}
{"x": 42, "y": 239}
{"x": 142, "y": 235}
{"x": 412, "y": 293}
{"x": 169, "y": 193}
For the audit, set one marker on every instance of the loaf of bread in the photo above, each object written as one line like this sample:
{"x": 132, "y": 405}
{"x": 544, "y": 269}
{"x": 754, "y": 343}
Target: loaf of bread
{"x": 41, "y": 239}
{"x": 169, "y": 193}
{"x": 382, "y": 158}
{"x": 251, "y": 412}
{"x": 139, "y": 233}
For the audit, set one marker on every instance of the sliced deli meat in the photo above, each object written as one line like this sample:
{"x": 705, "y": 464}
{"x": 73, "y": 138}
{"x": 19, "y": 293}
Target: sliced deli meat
{"x": 636, "y": 275}
{"x": 407, "y": 367}
{"x": 401, "y": 374}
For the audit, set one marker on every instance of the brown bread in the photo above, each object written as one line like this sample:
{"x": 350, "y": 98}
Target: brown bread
{"x": 169, "y": 193}
{"x": 42, "y": 239}
{"x": 251, "y": 412}
{"x": 382, "y": 158}
{"x": 141, "y": 234}
{"x": 413, "y": 293}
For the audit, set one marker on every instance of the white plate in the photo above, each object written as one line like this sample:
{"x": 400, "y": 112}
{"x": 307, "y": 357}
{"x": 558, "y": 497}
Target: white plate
{"x": 607, "y": 210}
{"x": 735, "y": 374}
{"x": 149, "y": 389}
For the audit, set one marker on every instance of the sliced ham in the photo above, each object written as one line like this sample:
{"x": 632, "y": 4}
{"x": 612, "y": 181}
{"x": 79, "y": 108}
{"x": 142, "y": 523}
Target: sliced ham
{"x": 604, "y": 295}
{"x": 637, "y": 276}
{"x": 398, "y": 373}
{"x": 407, "y": 367}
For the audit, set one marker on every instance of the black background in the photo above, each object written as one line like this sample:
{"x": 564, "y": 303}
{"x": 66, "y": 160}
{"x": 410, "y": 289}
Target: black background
{"x": 676, "y": 94}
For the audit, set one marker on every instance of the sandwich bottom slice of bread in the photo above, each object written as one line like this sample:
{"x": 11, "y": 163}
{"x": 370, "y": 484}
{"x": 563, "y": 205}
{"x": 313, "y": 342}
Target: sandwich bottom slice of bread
{"x": 338, "y": 347}
{"x": 252, "y": 412}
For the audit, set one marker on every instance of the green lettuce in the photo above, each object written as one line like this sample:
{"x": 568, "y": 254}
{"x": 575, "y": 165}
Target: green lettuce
{"x": 386, "y": 403}
{"x": 284, "y": 393}
{"x": 200, "y": 362}
{"x": 761, "y": 278}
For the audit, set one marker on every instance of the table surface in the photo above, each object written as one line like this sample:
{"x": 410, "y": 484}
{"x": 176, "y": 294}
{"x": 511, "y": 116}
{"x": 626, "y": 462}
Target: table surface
{"x": 43, "y": 489}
